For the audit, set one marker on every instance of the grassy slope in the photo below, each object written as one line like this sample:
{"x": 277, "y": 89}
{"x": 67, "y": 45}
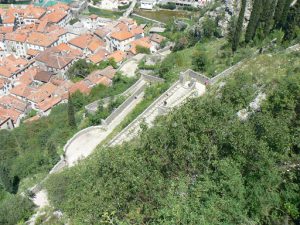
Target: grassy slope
{"x": 104, "y": 13}
{"x": 163, "y": 15}
{"x": 142, "y": 183}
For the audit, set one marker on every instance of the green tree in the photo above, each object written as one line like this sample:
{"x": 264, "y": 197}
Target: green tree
{"x": 284, "y": 14}
{"x": 239, "y": 27}
{"x": 15, "y": 209}
{"x": 254, "y": 20}
{"x": 292, "y": 25}
{"x": 278, "y": 12}
{"x": 268, "y": 13}
{"x": 209, "y": 28}
{"x": 231, "y": 29}
{"x": 142, "y": 49}
{"x": 199, "y": 61}
{"x": 80, "y": 68}
{"x": 71, "y": 112}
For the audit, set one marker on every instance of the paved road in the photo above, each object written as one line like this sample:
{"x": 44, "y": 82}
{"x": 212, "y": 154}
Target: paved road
{"x": 130, "y": 9}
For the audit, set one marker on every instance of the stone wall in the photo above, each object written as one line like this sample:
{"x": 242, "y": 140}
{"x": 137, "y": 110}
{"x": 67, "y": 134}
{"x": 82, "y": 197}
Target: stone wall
{"x": 138, "y": 119}
{"x": 124, "y": 105}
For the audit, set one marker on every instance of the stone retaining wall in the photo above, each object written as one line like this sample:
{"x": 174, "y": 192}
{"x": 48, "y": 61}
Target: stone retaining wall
{"x": 125, "y": 104}
{"x": 116, "y": 139}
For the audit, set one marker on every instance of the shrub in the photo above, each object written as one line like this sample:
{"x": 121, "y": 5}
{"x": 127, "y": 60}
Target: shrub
{"x": 143, "y": 50}
{"x": 199, "y": 61}
{"x": 169, "y": 5}
{"x": 180, "y": 44}
{"x": 15, "y": 209}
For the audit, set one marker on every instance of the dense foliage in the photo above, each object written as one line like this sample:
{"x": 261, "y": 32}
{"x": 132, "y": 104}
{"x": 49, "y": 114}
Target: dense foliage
{"x": 15, "y": 209}
{"x": 81, "y": 68}
{"x": 268, "y": 16}
{"x": 198, "y": 165}
{"x": 28, "y": 152}
{"x": 32, "y": 148}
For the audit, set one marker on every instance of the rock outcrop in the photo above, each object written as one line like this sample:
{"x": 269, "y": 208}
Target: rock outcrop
{"x": 224, "y": 11}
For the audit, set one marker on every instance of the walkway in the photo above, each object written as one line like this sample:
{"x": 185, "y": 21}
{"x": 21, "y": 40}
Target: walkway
{"x": 84, "y": 142}
{"x": 129, "y": 67}
{"x": 130, "y": 9}
{"x": 173, "y": 97}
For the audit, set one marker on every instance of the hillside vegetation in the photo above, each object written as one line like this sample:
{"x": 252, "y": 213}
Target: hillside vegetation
{"x": 28, "y": 152}
{"x": 201, "y": 164}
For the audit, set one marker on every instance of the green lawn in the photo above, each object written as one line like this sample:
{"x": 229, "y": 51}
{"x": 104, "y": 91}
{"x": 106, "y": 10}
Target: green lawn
{"x": 103, "y": 13}
{"x": 140, "y": 20}
{"x": 4, "y": 6}
{"x": 164, "y": 15}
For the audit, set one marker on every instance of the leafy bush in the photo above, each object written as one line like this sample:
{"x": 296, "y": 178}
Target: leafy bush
{"x": 15, "y": 209}
{"x": 199, "y": 61}
{"x": 198, "y": 165}
{"x": 180, "y": 44}
{"x": 143, "y": 50}
{"x": 169, "y": 5}
{"x": 123, "y": 7}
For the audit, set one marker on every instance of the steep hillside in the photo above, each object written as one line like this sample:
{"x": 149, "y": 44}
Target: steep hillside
{"x": 201, "y": 164}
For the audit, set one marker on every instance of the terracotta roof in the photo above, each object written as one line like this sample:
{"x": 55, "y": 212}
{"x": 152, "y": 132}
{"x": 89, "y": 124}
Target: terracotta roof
{"x": 3, "y": 81}
{"x": 122, "y": 35}
{"x": 22, "y": 90}
{"x": 6, "y": 29}
{"x": 19, "y": 37}
{"x": 42, "y": 93}
{"x": 95, "y": 80}
{"x": 42, "y": 25}
{"x": 137, "y": 30}
{"x": 127, "y": 21}
{"x": 55, "y": 16}
{"x": 143, "y": 42}
{"x": 9, "y": 113}
{"x": 98, "y": 57}
{"x": 28, "y": 76}
{"x": 43, "y": 76}
{"x": 56, "y": 31}
{"x": 8, "y": 19}
{"x": 41, "y": 39}
{"x": 63, "y": 47}
{"x": 4, "y": 72}
{"x": 9, "y": 101}
{"x": 63, "y": 87}
{"x": 118, "y": 56}
{"x": 94, "y": 44}
{"x": 48, "y": 103}
{"x": 55, "y": 58}
{"x": 34, "y": 12}
{"x": 81, "y": 41}
{"x": 157, "y": 38}
{"x": 122, "y": 26}
{"x": 80, "y": 86}
{"x": 108, "y": 72}
{"x": 32, "y": 52}
{"x": 102, "y": 32}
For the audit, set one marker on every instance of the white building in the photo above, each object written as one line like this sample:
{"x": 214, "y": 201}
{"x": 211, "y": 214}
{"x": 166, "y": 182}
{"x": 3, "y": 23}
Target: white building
{"x": 148, "y": 4}
{"x": 120, "y": 41}
{"x": 109, "y": 4}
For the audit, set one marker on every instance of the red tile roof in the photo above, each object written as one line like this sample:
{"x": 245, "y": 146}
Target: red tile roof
{"x": 122, "y": 35}
{"x": 118, "y": 56}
